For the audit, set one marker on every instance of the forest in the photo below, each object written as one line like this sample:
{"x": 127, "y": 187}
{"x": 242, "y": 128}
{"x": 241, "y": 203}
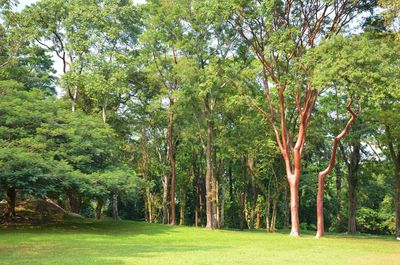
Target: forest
{"x": 221, "y": 114}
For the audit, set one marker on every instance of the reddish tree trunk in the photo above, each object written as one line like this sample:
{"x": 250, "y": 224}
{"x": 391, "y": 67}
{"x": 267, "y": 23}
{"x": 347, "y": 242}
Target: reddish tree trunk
{"x": 320, "y": 205}
{"x": 322, "y": 175}
{"x": 294, "y": 209}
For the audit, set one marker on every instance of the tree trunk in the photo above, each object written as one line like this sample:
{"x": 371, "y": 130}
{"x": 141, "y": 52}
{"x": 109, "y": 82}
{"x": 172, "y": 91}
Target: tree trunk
{"x": 74, "y": 98}
{"x": 251, "y": 218}
{"x": 396, "y": 162}
{"x": 246, "y": 212}
{"x": 397, "y": 202}
{"x": 146, "y": 208}
{"x": 11, "y": 201}
{"x": 197, "y": 199}
{"x": 267, "y": 210}
{"x": 214, "y": 178}
{"x": 149, "y": 205}
{"x": 209, "y": 208}
{"x": 338, "y": 197}
{"x": 201, "y": 202}
{"x": 351, "y": 227}
{"x": 74, "y": 202}
{"x": 222, "y": 180}
{"x": 104, "y": 111}
{"x": 99, "y": 208}
{"x": 241, "y": 210}
{"x": 171, "y": 157}
{"x": 320, "y": 205}
{"x": 294, "y": 209}
{"x": 182, "y": 213}
{"x": 273, "y": 217}
{"x": 143, "y": 168}
{"x": 165, "y": 199}
{"x": 352, "y": 179}
{"x": 258, "y": 220}
{"x": 250, "y": 164}
{"x": 115, "y": 207}
{"x": 230, "y": 180}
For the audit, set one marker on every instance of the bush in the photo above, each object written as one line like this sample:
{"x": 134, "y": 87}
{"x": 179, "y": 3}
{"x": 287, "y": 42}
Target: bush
{"x": 371, "y": 221}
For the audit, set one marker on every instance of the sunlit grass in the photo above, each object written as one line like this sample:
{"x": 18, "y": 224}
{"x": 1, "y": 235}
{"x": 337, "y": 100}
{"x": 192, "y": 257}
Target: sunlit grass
{"x": 108, "y": 242}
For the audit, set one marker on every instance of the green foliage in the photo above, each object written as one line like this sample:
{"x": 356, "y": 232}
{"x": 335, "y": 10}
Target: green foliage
{"x": 370, "y": 221}
{"x": 197, "y": 61}
{"x": 363, "y": 66}
{"x": 46, "y": 150}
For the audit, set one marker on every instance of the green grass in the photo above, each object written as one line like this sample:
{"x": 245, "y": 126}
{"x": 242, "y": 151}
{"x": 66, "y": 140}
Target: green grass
{"x": 107, "y": 242}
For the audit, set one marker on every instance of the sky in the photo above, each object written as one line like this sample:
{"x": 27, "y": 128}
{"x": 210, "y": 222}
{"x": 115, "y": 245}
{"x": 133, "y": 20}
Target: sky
{"x": 23, "y": 3}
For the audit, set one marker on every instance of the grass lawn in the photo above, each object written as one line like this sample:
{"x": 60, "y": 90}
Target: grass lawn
{"x": 125, "y": 242}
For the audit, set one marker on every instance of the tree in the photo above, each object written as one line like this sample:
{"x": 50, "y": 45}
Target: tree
{"x": 51, "y": 24}
{"x": 22, "y": 61}
{"x": 280, "y": 33}
{"x": 392, "y": 17}
{"x": 26, "y": 167}
{"x": 391, "y": 13}
{"x": 84, "y": 36}
{"x": 105, "y": 79}
{"x": 375, "y": 90}
{"x": 87, "y": 144}
{"x": 161, "y": 38}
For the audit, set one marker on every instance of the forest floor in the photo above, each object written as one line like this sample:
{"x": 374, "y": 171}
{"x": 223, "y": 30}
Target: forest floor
{"x": 125, "y": 242}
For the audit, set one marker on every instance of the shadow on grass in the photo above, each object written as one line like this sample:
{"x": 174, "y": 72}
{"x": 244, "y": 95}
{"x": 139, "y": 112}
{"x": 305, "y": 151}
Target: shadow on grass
{"x": 108, "y": 226}
{"x": 95, "y": 227}
{"x": 88, "y": 241}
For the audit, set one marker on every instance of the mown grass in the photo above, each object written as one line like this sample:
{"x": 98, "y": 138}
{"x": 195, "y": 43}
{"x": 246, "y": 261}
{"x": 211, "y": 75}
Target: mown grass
{"x": 125, "y": 242}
